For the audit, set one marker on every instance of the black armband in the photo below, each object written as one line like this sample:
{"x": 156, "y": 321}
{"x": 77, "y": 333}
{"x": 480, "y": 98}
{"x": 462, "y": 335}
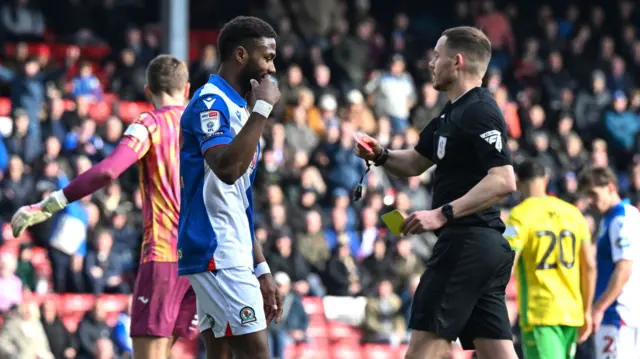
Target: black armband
{"x": 384, "y": 155}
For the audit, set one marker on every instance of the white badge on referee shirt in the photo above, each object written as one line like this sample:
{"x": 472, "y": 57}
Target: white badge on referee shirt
{"x": 442, "y": 146}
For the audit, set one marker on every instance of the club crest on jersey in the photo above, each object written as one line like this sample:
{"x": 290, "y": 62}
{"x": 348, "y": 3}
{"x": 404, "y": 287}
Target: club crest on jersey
{"x": 247, "y": 315}
{"x": 442, "y": 146}
{"x": 209, "y": 122}
{"x": 254, "y": 163}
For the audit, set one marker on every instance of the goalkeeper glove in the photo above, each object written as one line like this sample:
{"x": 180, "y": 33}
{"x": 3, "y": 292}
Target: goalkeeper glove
{"x": 28, "y": 216}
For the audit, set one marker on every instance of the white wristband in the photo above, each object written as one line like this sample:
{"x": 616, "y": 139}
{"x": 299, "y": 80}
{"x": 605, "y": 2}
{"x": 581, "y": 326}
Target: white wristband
{"x": 262, "y": 107}
{"x": 261, "y": 269}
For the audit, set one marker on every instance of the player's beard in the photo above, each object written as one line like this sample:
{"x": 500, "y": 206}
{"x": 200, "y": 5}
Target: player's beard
{"x": 248, "y": 73}
{"x": 442, "y": 81}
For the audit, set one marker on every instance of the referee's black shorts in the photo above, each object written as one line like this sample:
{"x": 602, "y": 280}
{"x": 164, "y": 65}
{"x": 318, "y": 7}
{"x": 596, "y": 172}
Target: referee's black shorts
{"x": 462, "y": 292}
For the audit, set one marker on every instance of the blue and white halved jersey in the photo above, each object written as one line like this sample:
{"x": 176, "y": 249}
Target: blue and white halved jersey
{"x": 619, "y": 239}
{"x": 216, "y": 219}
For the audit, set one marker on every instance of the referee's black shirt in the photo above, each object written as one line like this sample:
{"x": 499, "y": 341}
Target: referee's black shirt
{"x": 467, "y": 139}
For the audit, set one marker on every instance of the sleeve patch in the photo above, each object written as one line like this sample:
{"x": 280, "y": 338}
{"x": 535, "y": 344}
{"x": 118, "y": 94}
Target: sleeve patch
{"x": 138, "y": 131}
{"x": 209, "y": 122}
{"x": 494, "y": 138}
{"x": 623, "y": 242}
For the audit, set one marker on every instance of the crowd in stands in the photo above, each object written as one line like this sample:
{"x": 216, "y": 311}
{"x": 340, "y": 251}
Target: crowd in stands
{"x": 565, "y": 75}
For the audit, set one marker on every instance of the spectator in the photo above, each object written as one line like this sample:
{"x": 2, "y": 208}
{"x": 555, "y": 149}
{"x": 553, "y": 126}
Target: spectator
{"x": 406, "y": 264}
{"x": 621, "y": 127}
{"x": 11, "y": 285}
{"x": 22, "y": 335}
{"x": 384, "y": 322}
{"x": 24, "y": 268}
{"x": 396, "y": 95}
{"x": 129, "y": 77}
{"x": 24, "y": 141}
{"x": 429, "y": 108}
{"x": 91, "y": 329}
{"x": 294, "y": 322}
{"x": 377, "y": 265}
{"x": 369, "y": 230}
{"x": 590, "y": 106}
{"x": 18, "y": 188}
{"x": 121, "y": 332}
{"x": 206, "y": 65}
{"x": 312, "y": 244}
{"x": 343, "y": 275}
{"x": 288, "y": 260}
{"x": 86, "y": 83}
{"x": 62, "y": 343}
{"x": 103, "y": 270}
{"x": 407, "y": 296}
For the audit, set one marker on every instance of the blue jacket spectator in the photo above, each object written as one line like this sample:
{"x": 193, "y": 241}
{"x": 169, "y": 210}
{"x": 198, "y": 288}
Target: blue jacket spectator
{"x": 87, "y": 84}
{"x": 121, "y": 336}
{"x": 621, "y": 126}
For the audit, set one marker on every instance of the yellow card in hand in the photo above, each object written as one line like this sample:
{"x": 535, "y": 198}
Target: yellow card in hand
{"x": 394, "y": 221}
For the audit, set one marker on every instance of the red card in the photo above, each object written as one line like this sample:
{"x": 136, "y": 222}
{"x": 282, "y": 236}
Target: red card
{"x": 361, "y": 142}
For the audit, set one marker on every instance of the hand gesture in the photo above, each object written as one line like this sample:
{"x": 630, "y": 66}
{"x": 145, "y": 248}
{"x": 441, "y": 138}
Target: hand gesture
{"x": 586, "y": 329}
{"x": 364, "y": 153}
{"x": 596, "y": 319}
{"x": 271, "y": 297}
{"x": 423, "y": 221}
{"x": 266, "y": 90}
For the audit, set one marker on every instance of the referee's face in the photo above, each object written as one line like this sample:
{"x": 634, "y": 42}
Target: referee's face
{"x": 442, "y": 66}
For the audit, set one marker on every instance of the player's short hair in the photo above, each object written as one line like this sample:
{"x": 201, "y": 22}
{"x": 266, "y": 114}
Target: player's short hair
{"x": 473, "y": 43}
{"x": 241, "y": 31}
{"x": 167, "y": 74}
{"x": 596, "y": 177}
{"x": 530, "y": 169}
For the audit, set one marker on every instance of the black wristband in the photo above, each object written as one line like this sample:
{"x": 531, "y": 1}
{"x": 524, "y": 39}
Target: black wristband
{"x": 384, "y": 155}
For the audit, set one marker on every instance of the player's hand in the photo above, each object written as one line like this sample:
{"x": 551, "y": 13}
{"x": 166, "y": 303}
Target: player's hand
{"x": 266, "y": 90}
{"x": 271, "y": 297}
{"x": 586, "y": 329}
{"x": 596, "y": 318}
{"x": 28, "y": 216}
{"x": 423, "y": 221}
{"x": 365, "y": 153}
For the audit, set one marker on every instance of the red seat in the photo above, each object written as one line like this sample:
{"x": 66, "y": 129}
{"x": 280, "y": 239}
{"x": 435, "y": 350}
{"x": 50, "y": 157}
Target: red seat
{"x": 99, "y": 111}
{"x": 317, "y": 329}
{"x": 114, "y": 302}
{"x": 310, "y": 351}
{"x": 129, "y": 111}
{"x": 59, "y": 51}
{"x": 10, "y": 247}
{"x": 378, "y": 351}
{"x": 96, "y": 53}
{"x": 109, "y": 98}
{"x": 342, "y": 351}
{"x": 313, "y": 306}
{"x": 340, "y": 332}
{"x": 69, "y": 105}
{"x": 5, "y": 106}
{"x": 75, "y": 303}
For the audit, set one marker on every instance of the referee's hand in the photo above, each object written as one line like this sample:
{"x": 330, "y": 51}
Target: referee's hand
{"x": 364, "y": 153}
{"x": 423, "y": 221}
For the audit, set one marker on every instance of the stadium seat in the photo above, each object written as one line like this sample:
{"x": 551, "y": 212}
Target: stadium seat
{"x": 10, "y": 247}
{"x": 310, "y": 351}
{"x": 59, "y": 51}
{"x": 40, "y": 259}
{"x": 75, "y": 303}
{"x": 69, "y": 105}
{"x": 379, "y": 351}
{"x": 109, "y": 98}
{"x": 7, "y": 234}
{"x": 99, "y": 111}
{"x": 5, "y": 106}
{"x": 343, "y": 351}
{"x": 313, "y": 306}
{"x": 129, "y": 111}
{"x": 343, "y": 333}
{"x": 96, "y": 53}
{"x": 317, "y": 329}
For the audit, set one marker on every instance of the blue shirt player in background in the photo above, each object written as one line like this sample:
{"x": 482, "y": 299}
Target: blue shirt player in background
{"x": 221, "y": 129}
{"x": 616, "y": 311}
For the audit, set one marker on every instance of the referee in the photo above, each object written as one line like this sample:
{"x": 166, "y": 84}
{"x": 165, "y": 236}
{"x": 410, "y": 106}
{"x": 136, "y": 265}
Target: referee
{"x": 462, "y": 292}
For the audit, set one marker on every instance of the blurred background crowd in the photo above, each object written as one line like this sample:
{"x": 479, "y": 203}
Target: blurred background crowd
{"x": 566, "y": 76}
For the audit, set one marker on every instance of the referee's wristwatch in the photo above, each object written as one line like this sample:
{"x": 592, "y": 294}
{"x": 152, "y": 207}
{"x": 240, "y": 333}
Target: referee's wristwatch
{"x": 382, "y": 158}
{"x": 447, "y": 211}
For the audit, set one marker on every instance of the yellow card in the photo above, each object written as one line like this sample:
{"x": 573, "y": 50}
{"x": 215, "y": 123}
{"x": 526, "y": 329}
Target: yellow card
{"x": 394, "y": 221}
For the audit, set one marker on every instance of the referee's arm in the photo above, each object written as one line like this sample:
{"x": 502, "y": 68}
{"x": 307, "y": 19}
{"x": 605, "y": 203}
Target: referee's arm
{"x": 488, "y": 134}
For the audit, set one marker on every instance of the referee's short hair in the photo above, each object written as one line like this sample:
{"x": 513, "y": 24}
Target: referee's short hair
{"x": 473, "y": 43}
{"x": 599, "y": 176}
{"x": 240, "y": 32}
{"x": 530, "y": 169}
